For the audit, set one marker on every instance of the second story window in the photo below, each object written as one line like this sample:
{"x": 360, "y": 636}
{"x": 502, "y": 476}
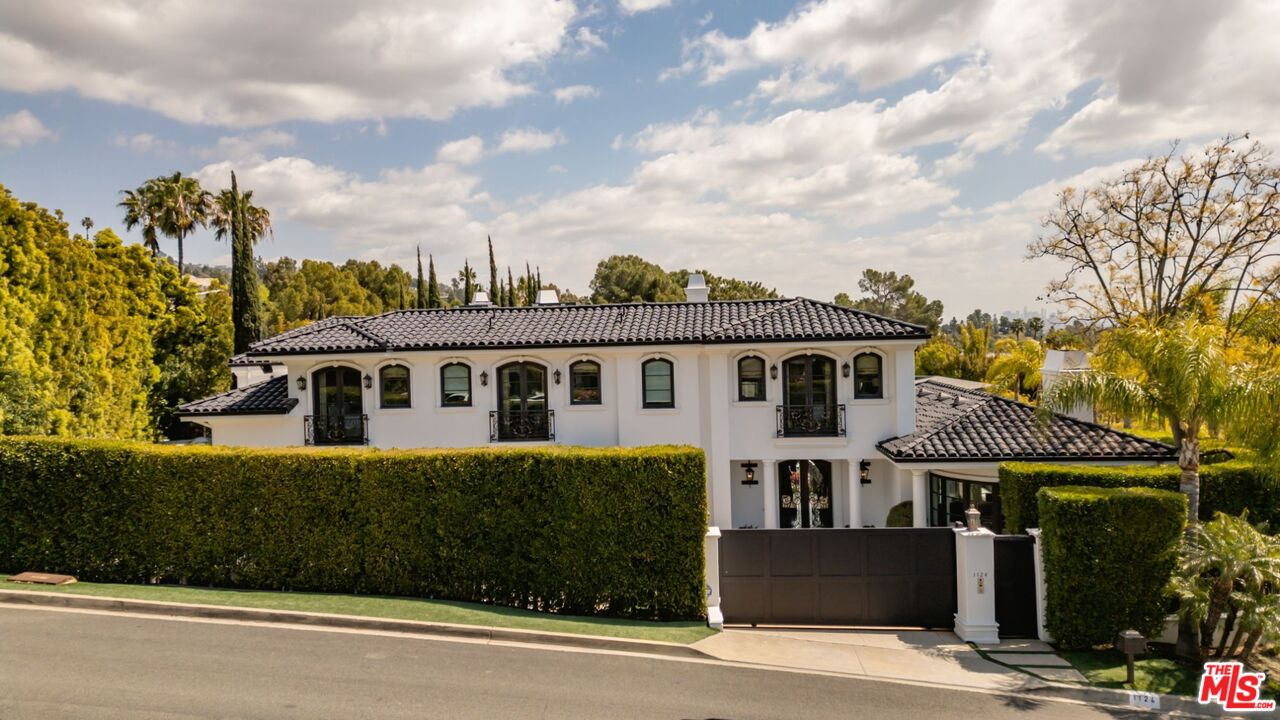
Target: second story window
{"x": 868, "y": 377}
{"x": 393, "y": 383}
{"x": 584, "y": 383}
{"x": 658, "y": 377}
{"x": 455, "y": 385}
{"x": 751, "y": 379}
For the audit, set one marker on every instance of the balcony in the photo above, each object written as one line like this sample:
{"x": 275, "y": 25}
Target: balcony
{"x": 335, "y": 429}
{"x": 522, "y": 425}
{"x": 810, "y": 421}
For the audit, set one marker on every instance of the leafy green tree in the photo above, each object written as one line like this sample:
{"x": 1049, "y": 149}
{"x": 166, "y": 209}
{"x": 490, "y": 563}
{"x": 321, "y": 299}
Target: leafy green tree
{"x": 630, "y": 278}
{"x": 938, "y": 356}
{"x": 726, "y": 288}
{"x": 495, "y": 296}
{"x": 1016, "y": 367}
{"x": 468, "y": 277}
{"x": 891, "y": 295}
{"x": 433, "y": 287}
{"x": 511, "y": 289}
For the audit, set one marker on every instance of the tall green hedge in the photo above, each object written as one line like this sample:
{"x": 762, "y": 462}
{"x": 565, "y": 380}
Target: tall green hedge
{"x": 1108, "y": 556}
{"x": 615, "y": 531}
{"x": 1230, "y": 487}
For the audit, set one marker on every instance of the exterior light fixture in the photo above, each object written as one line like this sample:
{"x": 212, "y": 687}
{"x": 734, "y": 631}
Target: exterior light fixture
{"x": 749, "y": 474}
{"x": 864, "y": 471}
{"x": 484, "y": 378}
{"x": 773, "y": 371}
{"x": 302, "y": 382}
{"x": 368, "y": 381}
{"x": 844, "y": 369}
{"x": 556, "y": 375}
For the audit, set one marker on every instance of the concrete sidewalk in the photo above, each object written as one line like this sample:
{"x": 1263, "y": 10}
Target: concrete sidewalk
{"x": 914, "y": 655}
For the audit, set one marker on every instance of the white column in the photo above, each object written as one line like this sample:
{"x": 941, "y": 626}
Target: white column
{"x": 855, "y": 494}
{"x": 711, "y": 546}
{"x": 717, "y": 449}
{"x": 975, "y": 588}
{"x": 770, "y": 468}
{"x": 1041, "y": 631}
{"x": 920, "y": 498}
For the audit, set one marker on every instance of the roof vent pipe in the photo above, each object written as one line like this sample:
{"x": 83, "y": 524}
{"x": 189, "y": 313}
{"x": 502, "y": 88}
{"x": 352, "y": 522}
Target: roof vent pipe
{"x": 696, "y": 289}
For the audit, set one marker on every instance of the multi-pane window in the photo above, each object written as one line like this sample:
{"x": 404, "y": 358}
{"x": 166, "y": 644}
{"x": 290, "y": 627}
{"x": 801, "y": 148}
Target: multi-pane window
{"x": 751, "y": 379}
{"x": 584, "y": 383}
{"x": 868, "y": 378}
{"x": 658, "y": 377}
{"x": 394, "y": 385}
{"x": 455, "y": 385}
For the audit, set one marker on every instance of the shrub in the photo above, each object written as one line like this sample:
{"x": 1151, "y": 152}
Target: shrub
{"x": 615, "y": 531}
{"x": 1230, "y": 487}
{"x": 1109, "y": 554}
{"x": 900, "y": 515}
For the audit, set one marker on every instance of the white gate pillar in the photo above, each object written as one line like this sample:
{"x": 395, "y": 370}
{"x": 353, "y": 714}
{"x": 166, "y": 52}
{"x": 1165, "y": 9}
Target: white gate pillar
{"x": 920, "y": 498}
{"x": 975, "y": 586}
{"x": 1042, "y": 632}
{"x": 855, "y": 493}
{"x": 770, "y": 468}
{"x": 711, "y": 548}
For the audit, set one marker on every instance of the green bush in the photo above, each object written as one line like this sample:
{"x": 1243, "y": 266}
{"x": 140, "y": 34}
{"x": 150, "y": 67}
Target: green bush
{"x": 616, "y": 531}
{"x": 1108, "y": 556}
{"x": 900, "y": 515}
{"x": 1230, "y": 487}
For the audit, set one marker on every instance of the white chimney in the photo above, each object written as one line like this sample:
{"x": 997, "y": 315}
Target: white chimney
{"x": 480, "y": 298}
{"x": 1061, "y": 362}
{"x": 696, "y": 290}
{"x": 548, "y": 296}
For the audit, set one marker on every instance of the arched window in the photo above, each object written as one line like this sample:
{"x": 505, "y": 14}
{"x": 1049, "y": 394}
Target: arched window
{"x": 868, "y": 376}
{"x": 584, "y": 383}
{"x": 751, "y": 379}
{"x": 455, "y": 385}
{"x": 393, "y": 385}
{"x": 658, "y": 378}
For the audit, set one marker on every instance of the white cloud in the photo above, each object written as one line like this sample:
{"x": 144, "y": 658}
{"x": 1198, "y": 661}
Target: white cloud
{"x": 566, "y": 95}
{"x": 633, "y": 7}
{"x": 528, "y": 140}
{"x": 788, "y": 89}
{"x": 589, "y": 40}
{"x": 23, "y": 128}
{"x": 248, "y": 145}
{"x": 557, "y": 169}
{"x": 144, "y": 143}
{"x": 201, "y": 62}
{"x": 461, "y": 152}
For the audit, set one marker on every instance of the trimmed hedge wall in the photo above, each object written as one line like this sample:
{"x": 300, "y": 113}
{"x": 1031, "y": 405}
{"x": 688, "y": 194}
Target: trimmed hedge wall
{"x": 1230, "y": 487}
{"x": 616, "y": 531}
{"x": 1108, "y": 556}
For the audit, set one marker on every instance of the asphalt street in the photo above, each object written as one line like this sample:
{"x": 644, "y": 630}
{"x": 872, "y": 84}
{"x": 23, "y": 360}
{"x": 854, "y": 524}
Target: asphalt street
{"x": 75, "y": 665}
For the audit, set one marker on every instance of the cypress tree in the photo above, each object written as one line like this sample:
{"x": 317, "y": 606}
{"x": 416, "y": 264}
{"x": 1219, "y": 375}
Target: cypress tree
{"x": 402, "y": 284}
{"x": 422, "y": 289}
{"x": 467, "y": 289}
{"x": 530, "y": 293}
{"x": 494, "y": 297}
{"x": 433, "y": 289}
{"x": 511, "y": 289}
{"x": 246, "y": 303}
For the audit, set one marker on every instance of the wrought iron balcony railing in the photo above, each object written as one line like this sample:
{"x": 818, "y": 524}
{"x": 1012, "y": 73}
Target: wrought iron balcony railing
{"x": 810, "y": 421}
{"x": 336, "y": 429}
{"x": 517, "y": 425}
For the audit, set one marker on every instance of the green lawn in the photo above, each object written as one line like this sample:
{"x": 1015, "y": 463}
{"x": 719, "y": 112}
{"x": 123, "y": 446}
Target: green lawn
{"x": 389, "y": 607}
{"x": 1152, "y": 673}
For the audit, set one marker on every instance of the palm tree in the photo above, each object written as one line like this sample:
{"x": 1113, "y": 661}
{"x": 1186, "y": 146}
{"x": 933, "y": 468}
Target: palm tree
{"x": 257, "y": 220}
{"x": 139, "y": 212}
{"x": 1016, "y": 366}
{"x": 86, "y": 222}
{"x": 181, "y": 206}
{"x": 1017, "y": 326}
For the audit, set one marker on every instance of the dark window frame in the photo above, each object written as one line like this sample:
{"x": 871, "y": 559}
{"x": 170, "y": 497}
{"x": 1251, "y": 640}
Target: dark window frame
{"x": 644, "y": 384}
{"x": 444, "y": 402}
{"x": 599, "y": 383}
{"x": 382, "y": 387}
{"x": 763, "y": 380}
{"x": 879, "y": 374}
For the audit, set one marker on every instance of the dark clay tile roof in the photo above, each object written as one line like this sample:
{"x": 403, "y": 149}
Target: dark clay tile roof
{"x": 782, "y": 320}
{"x": 957, "y": 425}
{"x": 270, "y": 397}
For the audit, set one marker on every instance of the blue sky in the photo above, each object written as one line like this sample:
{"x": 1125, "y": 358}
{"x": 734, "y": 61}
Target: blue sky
{"x": 791, "y": 143}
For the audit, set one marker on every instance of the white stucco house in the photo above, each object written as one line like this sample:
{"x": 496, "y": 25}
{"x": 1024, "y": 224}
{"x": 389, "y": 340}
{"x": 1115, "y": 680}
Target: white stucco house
{"x": 810, "y": 414}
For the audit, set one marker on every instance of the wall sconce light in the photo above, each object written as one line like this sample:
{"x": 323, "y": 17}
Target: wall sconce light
{"x": 302, "y": 382}
{"x": 368, "y": 381}
{"x": 844, "y": 369}
{"x": 556, "y": 375}
{"x": 484, "y": 378}
{"x": 864, "y": 471}
{"x": 773, "y": 372}
{"x": 749, "y": 474}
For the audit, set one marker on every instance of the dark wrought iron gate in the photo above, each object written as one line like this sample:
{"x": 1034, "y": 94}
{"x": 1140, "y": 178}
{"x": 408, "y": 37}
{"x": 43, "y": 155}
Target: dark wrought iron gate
{"x": 1015, "y": 585}
{"x": 903, "y": 577}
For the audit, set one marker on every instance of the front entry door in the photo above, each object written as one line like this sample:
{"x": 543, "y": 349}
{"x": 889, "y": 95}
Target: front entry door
{"x": 804, "y": 494}
{"x": 522, "y": 402}
{"x": 339, "y": 408}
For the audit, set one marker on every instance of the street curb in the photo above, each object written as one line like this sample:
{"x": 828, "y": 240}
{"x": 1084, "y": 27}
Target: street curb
{"x": 1122, "y": 698}
{"x": 347, "y": 622}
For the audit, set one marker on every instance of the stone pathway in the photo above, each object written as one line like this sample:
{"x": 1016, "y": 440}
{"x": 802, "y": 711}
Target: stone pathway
{"x": 1035, "y": 657}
